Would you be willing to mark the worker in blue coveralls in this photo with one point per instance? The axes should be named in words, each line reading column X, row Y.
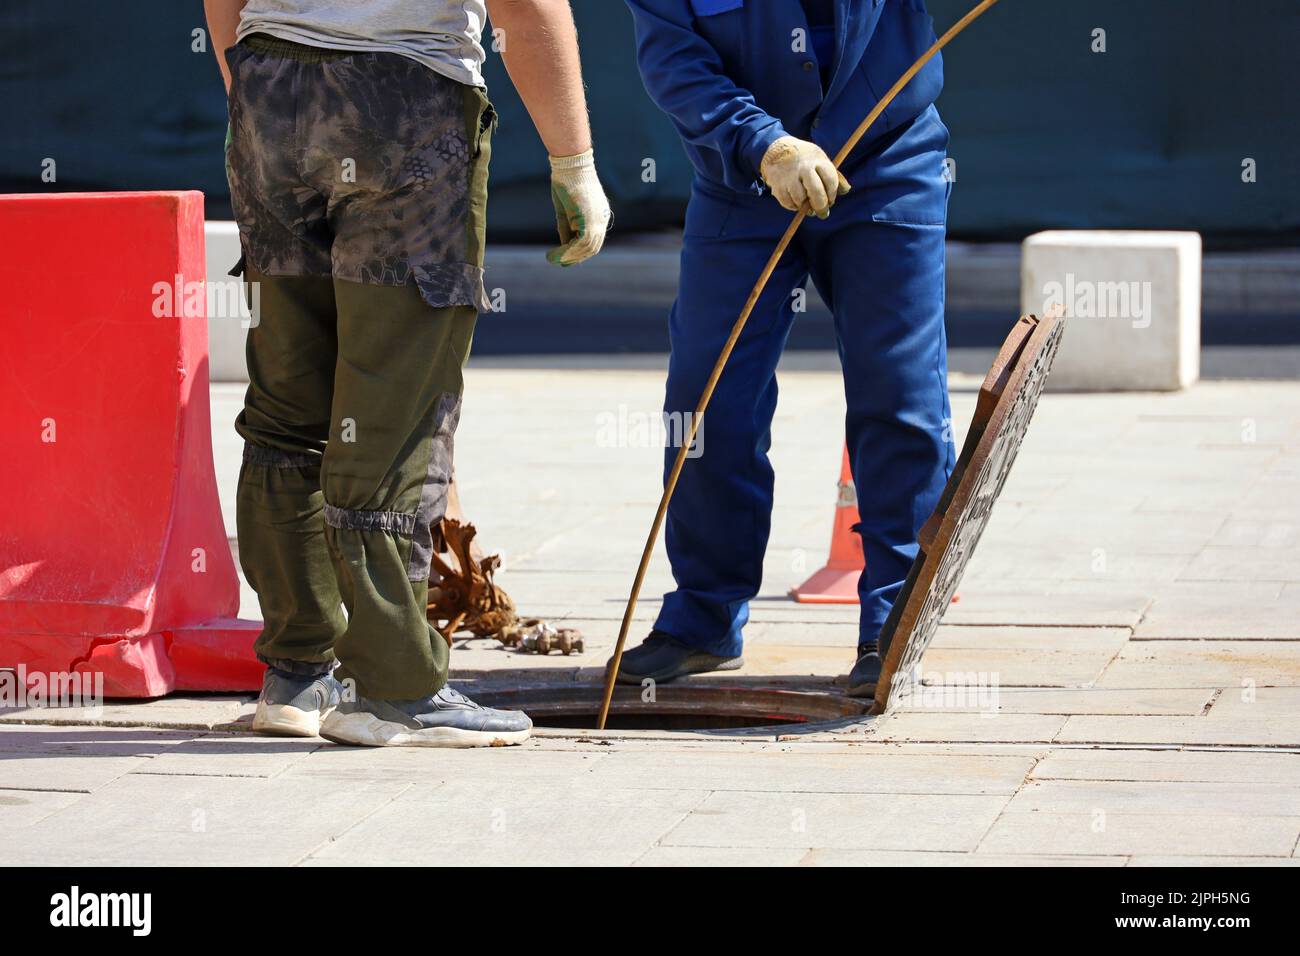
column 762, row 93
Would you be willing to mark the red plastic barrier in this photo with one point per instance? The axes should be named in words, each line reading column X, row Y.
column 113, row 555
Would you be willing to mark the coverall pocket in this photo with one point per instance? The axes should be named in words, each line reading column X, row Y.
column 904, row 32
column 707, row 215
column 912, row 181
column 721, row 23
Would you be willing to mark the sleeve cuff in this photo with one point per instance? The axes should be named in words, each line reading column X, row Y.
column 579, row 161
column 758, row 146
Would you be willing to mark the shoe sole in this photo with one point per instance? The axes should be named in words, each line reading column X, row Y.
column 687, row 669
column 862, row 690
column 285, row 720
column 367, row 730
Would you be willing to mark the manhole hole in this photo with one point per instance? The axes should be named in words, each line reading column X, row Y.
column 680, row 707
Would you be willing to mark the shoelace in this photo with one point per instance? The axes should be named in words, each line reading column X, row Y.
column 455, row 698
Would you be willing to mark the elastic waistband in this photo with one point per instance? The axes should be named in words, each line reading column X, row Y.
column 265, row 43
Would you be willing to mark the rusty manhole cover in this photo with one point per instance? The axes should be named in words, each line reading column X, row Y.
column 685, row 706
column 1006, row 403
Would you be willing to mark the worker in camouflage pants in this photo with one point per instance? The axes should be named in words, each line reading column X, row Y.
column 358, row 167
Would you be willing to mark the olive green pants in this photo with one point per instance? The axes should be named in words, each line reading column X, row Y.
column 359, row 181
column 353, row 400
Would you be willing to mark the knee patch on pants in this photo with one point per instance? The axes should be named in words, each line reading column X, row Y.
column 416, row 525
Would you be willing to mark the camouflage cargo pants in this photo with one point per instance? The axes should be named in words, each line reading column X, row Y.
column 360, row 185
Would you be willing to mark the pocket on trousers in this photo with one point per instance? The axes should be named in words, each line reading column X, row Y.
column 916, row 188
column 487, row 126
column 707, row 215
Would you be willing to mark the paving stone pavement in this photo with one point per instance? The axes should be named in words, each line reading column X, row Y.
column 1119, row 683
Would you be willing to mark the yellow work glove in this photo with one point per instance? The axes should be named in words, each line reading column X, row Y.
column 582, row 212
column 802, row 176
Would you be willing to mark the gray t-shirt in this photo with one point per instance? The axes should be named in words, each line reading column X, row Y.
column 444, row 35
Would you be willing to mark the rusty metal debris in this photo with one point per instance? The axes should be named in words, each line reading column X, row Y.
column 535, row 636
column 1006, row 403
column 465, row 599
column 462, row 593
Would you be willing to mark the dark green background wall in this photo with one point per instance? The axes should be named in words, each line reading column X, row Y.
column 1046, row 133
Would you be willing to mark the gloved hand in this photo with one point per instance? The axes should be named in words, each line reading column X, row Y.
column 582, row 213
column 802, row 176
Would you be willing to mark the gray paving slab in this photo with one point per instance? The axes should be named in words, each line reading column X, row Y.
column 1244, row 564
column 1082, row 532
column 177, row 712
column 534, row 765
column 1102, row 640
column 1183, row 496
column 860, row 821
column 1256, row 703
column 1257, row 611
column 1257, row 533
column 232, row 755
column 72, row 772
column 1206, row 663
column 1199, row 861
column 1173, row 765
column 978, row 727
column 713, row 856
column 1181, row 797
column 1150, row 834
column 872, row 858
column 97, row 741
column 21, row 808
column 1044, row 565
column 1264, row 732
column 1018, row 668
column 981, row 605
column 458, row 824
column 791, row 769
column 1063, row 700
column 172, row 820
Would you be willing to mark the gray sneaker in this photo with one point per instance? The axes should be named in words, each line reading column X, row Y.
column 447, row 719
column 294, row 706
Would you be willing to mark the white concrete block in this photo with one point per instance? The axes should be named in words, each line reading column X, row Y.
column 227, row 318
column 1132, row 301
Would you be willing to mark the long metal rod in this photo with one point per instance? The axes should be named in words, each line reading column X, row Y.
column 611, row 674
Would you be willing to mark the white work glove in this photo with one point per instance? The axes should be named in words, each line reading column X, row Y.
column 582, row 213
column 802, row 176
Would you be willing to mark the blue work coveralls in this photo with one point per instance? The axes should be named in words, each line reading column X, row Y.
column 733, row 76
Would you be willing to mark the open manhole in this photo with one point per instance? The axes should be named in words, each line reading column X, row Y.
column 677, row 707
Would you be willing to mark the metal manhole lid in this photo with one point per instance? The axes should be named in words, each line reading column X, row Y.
column 1006, row 403
column 703, row 699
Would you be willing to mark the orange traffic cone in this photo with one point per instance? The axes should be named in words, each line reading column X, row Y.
column 837, row 583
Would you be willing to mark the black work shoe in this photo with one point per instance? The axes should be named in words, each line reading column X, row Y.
column 866, row 672
column 661, row 657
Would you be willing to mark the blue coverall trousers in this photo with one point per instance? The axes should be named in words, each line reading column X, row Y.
column 878, row 263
